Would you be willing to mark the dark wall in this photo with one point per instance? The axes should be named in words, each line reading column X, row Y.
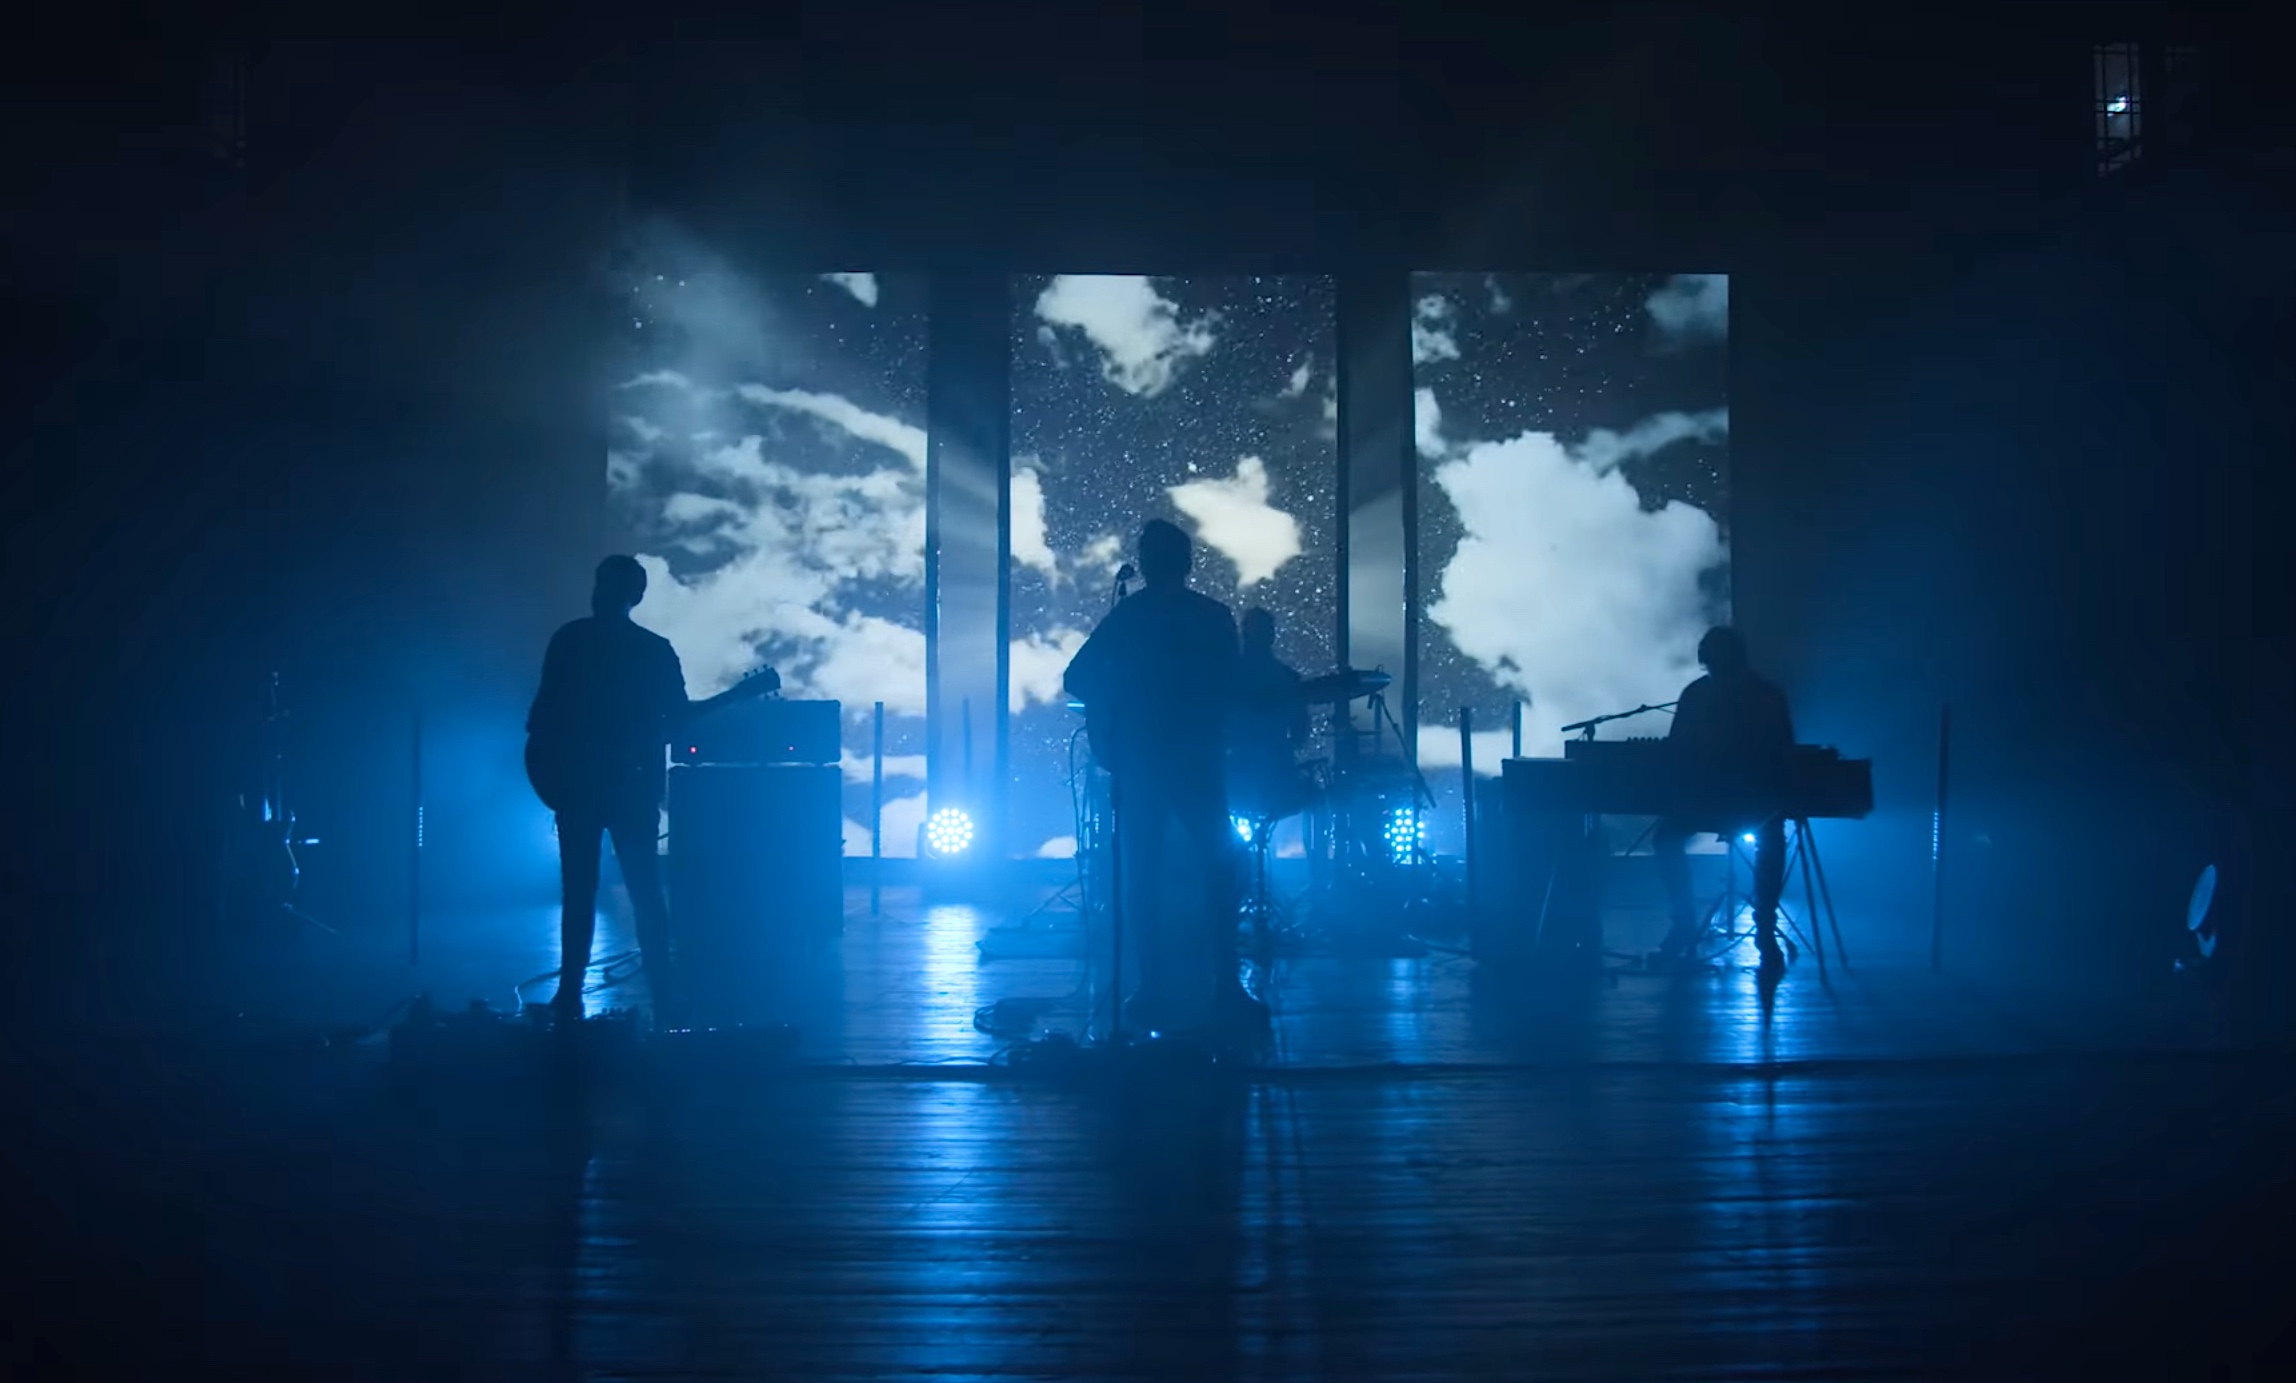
column 336, row 416
column 2024, row 482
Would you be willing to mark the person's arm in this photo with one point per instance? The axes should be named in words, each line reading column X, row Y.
column 1226, row 656
column 543, row 715
column 671, row 690
column 1690, row 715
column 1091, row 670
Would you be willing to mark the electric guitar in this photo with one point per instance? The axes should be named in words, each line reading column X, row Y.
column 558, row 771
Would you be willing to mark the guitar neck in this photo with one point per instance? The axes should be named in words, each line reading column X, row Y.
column 739, row 691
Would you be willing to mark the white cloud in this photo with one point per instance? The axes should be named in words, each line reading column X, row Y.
column 905, row 438
column 1102, row 556
column 1142, row 341
column 1439, row 745
column 1605, row 450
column 691, row 510
column 1029, row 545
column 1564, row 589
column 1427, row 423
column 1233, row 518
column 859, row 768
column 861, row 286
column 789, row 544
column 901, row 818
column 865, row 659
column 666, row 379
column 1057, row 848
column 1501, row 304
column 1431, row 337
column 1297, row 384
column 1038, row 664
column 1692, row 305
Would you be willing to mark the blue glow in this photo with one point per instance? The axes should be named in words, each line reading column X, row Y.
column 1243, row 825
column 1405, row 833
column 948, row 833
column 1748, row 837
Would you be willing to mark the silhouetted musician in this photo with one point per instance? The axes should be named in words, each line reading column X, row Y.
column 1267, row 724
column 594, row 753
column 1734, row 741
column 1155, row 679
column 612, row 693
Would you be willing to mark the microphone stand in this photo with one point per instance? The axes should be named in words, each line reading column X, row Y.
column 1586, row 728
column 1116, row 858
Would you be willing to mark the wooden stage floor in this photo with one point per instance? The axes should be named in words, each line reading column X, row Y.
column 1898, row 1175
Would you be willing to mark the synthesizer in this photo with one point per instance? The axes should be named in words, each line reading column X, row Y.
column 1643, row 777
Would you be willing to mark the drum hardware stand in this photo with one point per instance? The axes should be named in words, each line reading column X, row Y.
column 1269, row 916
column 276, row 817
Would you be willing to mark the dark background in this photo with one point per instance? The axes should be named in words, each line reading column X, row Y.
column 1997, row 426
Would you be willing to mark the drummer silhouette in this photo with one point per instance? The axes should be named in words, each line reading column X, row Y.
column 1267, row 724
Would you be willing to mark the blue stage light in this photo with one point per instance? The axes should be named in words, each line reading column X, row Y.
column 948, row 833
column 1748, row 837
column 1404, row 833
column 1243, row 825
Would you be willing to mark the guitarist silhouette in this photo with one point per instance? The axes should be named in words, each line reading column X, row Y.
column 612, row 694
column 1155, row 678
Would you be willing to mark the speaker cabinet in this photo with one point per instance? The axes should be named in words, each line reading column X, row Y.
column 756, row 863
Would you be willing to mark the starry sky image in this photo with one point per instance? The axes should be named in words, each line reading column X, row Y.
column 766, row 464
column 1206, row 401
column 1573, row 441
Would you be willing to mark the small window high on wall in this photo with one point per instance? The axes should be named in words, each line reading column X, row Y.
column 2120, row 106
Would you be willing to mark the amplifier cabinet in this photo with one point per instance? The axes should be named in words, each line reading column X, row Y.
column 765, row 731
column 756, row 862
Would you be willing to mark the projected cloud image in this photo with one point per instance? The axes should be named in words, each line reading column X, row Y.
column 1573, row 439
column 1205, row 401
column 767, row 465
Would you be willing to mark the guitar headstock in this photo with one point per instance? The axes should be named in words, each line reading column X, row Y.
column 762, row 682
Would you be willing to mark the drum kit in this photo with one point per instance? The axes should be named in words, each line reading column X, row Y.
column 1362, row 808
column 1366, row 812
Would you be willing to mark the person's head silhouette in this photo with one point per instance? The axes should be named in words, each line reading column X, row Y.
column 620, row 585
column 1259, row 631
column 1165, row 554
column 1722, row 652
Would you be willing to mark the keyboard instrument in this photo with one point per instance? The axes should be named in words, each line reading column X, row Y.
column 1645, row 777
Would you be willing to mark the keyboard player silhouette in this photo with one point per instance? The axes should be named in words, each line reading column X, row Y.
column 1733, row 741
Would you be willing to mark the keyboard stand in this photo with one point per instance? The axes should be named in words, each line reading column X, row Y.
column 1817, row 902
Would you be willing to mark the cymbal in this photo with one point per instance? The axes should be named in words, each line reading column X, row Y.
column 1347, row 684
